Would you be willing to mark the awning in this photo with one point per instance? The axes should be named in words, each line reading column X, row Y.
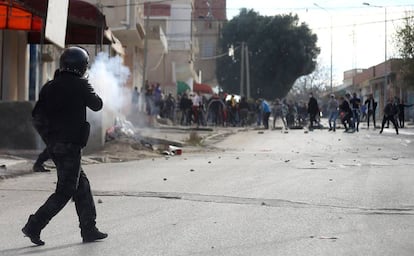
column 202, row 88
column 86, row 23
column 182, row 87
column 15, row 17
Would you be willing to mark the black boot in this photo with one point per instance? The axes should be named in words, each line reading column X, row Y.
column 39, row 168
column 32, row 230
column 92, row 234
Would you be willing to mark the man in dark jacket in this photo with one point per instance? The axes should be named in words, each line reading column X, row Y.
column 61, row 109
column 371, row 106
column 390, row 110
column 401, row 113
column 313, row 110
column 345, row 113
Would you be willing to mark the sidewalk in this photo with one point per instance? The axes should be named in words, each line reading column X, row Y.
column 20, row 162
column 16, row 162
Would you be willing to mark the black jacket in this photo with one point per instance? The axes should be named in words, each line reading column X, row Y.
column 63, row 103
column 345, row 108
column 370, row 102
column 313, row 107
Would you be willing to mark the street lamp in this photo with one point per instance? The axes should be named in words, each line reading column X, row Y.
column 331, row 35
column 385, row 47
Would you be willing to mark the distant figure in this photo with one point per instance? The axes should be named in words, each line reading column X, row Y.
column 244, row 111
column 390, row 111
column 170, row 107
column 345, row 112
column 355, row 105
column 351, row 119
column 277, row 111
column 265, row 107
column 259, row 113
column 401, row 114
column 371, row 105
column 333, row 111
column 302, row 113
column 313, row 110
column 186, row 109
column 135, row 99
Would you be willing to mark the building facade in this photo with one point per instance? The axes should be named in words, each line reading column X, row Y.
column 384, row 81
column 172, row 58
column 29, row 59
column 209, row 16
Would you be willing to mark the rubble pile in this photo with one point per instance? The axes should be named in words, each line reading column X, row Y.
column 123, row 142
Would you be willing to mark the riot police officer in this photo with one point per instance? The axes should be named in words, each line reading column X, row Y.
column 60, row 118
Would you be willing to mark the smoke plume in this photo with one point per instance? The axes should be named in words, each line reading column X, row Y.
column 108, row 75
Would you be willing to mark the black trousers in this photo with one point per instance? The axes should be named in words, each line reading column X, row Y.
column 72, row 183
column 346, row 119
column 371, row 113
column 312, row 119
column 388, row 119
column 401, row 119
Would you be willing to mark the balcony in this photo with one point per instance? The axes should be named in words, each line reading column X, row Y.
column 157, row 39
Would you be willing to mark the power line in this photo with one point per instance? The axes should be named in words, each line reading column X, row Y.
column 318, row 28
column 164, row 2
column 366, row 23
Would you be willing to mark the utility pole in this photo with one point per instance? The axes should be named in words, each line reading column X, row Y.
column 144, row 69
column 331, row 38
column 247, row 72
column 242, row 52
column 385, row 50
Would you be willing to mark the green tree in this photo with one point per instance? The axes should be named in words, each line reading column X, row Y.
column 280, row 51
column 405, row 44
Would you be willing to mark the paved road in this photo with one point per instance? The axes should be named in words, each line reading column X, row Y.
column 269, row 193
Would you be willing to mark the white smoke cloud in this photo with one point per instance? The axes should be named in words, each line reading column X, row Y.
column 108, row 76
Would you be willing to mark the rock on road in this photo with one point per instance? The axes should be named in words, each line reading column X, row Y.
column 270, row 193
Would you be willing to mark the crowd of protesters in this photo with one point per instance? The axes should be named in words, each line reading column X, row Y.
column 192, row 108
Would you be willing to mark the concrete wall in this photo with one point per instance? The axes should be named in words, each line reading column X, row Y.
column 14, row 66
column 16, row 130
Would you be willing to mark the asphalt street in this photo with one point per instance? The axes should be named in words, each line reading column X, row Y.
column 258, row 193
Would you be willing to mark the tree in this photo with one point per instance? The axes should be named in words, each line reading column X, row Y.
column 317, row 82
column 405, row 44
column 280, row 51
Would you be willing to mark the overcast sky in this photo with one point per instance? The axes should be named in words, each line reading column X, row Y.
column 358, row 30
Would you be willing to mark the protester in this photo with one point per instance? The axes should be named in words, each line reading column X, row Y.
column 244, row 109
column 265, row 107
column 401, row 114
column 186, row 109
column 355, row 103
column 345, row 112
column 135, row 99
column 333, row 112
column 390, row 111
column 277, row 112
column 371, row 107
column 313, row 110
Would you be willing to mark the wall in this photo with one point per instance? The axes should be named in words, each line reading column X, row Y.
column 14, row 66
column 16, row 129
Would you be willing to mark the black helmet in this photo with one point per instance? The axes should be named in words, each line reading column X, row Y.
column 74, row 60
